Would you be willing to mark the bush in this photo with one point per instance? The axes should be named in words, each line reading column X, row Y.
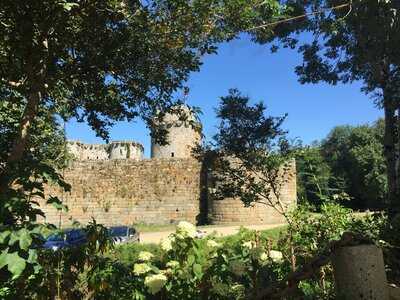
column 184, row 267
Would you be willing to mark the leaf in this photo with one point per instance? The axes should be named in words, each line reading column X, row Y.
column 3, row 258
column 198, row 271
column 16, row 264
column 190, row 260
column 57, row 204
column 4, row 235
column 33, row 256
column 25, row 239
column 14, row 237
column 69, row 5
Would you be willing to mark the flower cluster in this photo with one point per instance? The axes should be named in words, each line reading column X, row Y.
column 249, row 244
column 213, row 244
column 185, row 229
column 155, row 283
column 145, row 256
column 139, row 269
column 166, row 244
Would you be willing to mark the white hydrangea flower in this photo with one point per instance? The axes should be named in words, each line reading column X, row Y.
column 166, row 244
column 172, row 264
column 145, row 256
column 139, row 269
column 249, row 244
column 155, row 283
column 276, row 256
column 213, row 244
column 264, row 257
column 186, row 229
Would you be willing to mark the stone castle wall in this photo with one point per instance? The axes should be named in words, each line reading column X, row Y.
column 153, row 191
column 124, row 192
column 232, row 210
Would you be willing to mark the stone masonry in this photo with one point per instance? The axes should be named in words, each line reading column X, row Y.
column 116, row 186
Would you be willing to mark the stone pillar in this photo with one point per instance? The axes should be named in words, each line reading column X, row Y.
column 360, row 273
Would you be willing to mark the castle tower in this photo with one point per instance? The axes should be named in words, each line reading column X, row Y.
column 182, row 136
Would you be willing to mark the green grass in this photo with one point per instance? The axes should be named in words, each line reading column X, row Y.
column 272, row 234
column 153, row 228
column 159, row 228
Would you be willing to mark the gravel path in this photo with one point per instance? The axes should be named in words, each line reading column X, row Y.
column 155, row 237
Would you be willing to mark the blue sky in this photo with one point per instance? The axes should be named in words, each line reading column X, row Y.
column 312, row 109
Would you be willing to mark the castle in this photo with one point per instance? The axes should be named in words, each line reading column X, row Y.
column 116, row 185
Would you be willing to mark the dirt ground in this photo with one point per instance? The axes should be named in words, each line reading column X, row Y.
column 156, row 237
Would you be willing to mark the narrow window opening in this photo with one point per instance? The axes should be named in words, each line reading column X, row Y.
column 172, row 154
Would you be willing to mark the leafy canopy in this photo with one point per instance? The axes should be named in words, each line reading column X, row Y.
column 105, row 61
column 250, row 154
column 351, row 41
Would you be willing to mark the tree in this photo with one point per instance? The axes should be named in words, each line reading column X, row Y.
column 355, row 156
column 250, row 155
column 352, row 41
column 313, row 176
column 105, row 61
column 100, row 62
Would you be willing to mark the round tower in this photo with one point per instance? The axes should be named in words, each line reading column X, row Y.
column 125, row 150
column 182, row 136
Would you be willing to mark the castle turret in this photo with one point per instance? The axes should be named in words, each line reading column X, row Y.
column 183, row 135
column 126, row 150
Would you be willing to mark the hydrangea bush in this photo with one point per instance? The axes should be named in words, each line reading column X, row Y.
column 193, row 268
column 184, row 266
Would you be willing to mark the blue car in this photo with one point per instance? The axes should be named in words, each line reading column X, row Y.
column 123, row 234
column 66, row 239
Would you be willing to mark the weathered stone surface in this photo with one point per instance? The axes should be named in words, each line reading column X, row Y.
column 153, row 191
column 114, row 150
column 113, row 184
column 127, row 192
column 360, row 273
column 182, row 137
column 394, row 292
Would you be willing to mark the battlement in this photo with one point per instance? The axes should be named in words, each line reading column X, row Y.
column 114, row 150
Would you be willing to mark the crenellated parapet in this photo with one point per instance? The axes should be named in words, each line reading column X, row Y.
column 115, row 150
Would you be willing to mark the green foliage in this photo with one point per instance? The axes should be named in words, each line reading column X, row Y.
column 184, row 267
column 59, row 273
column 107, row 61
column 250, row 155
column 347, row 166
column 313, row 176
column 355, row 155
column 310, row 233
column 358, row 42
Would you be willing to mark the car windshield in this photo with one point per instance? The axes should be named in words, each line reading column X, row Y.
column 75, row 234
column 118, row 231
column 56, row 237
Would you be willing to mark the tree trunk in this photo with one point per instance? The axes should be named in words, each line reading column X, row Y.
column 390, row 151
column 36, row 73
column 20, row 143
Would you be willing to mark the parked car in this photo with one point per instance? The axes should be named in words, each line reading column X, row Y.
column 65, row 239
column 124, row 234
